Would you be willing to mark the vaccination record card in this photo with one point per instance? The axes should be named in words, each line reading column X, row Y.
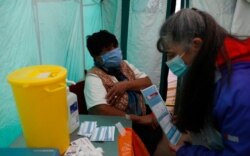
column 158, row 107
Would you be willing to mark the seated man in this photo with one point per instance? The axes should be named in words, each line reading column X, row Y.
column 112, row 87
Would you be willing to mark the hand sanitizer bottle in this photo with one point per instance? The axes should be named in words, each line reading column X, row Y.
column 73, row 113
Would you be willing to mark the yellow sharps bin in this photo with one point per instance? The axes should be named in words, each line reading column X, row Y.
column 40, row 95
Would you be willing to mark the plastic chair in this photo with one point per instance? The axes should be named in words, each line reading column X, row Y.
column 78, row 90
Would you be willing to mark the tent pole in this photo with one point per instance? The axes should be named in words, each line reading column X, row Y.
column 184, row 3
column 164, row 68
column 124, row 27
column 37, row 28
column 82, row 34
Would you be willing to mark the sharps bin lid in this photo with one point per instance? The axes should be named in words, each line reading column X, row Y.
column 37, row 75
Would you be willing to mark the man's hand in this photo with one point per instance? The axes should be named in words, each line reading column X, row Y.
column 144, row 120
column 117, row 91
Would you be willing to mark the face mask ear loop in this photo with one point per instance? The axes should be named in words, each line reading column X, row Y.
column 182, row 55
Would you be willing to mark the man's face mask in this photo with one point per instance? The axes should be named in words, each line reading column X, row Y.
column 110, row 60
column 177, row 66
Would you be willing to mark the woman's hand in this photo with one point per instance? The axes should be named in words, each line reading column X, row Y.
column 185, row 138
column 116, row 92
column 144, row 120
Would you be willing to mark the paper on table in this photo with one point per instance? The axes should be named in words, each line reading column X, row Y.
column 87, row 128
column 83, row 147
column 103, row 133
column 120, row 128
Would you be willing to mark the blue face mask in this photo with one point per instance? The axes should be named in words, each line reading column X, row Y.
column 177, row 66
column 110, row 60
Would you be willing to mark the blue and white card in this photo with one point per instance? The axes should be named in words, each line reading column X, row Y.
column 158, row 107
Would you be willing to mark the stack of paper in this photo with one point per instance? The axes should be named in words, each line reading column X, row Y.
column 104, row 133
column 83, row 147
column 87, row 128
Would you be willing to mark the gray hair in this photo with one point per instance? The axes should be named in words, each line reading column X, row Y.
column 194, row 102
column 181, row 28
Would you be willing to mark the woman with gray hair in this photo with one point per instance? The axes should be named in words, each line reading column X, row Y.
column 215, row 71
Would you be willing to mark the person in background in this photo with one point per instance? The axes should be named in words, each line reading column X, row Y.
column 112, row 87
column 215, row 92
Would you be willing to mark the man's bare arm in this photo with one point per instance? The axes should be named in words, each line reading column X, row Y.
column 104, row 109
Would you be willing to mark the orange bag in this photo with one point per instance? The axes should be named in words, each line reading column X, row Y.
column 131, row 144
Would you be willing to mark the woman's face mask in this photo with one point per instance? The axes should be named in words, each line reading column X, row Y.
column 111, row 59
column 177, row 66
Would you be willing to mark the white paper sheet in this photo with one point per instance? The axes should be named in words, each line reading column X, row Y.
column 157, row 105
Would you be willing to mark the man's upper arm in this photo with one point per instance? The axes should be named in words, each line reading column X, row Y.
column 94, row 91
column 137, row 72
